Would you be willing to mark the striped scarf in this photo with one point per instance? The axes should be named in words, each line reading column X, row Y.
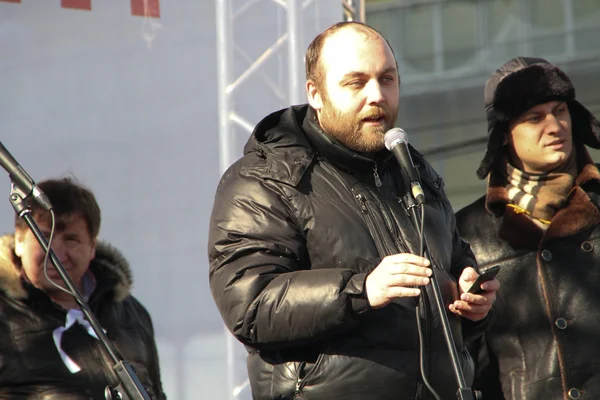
column 540, row 195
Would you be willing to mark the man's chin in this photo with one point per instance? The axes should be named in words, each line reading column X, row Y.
column 372, row 146
column 374, row 139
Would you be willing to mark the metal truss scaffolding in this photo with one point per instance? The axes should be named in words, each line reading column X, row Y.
column 354, row 10
column 260, row 52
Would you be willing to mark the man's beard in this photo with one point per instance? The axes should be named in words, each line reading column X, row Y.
column 351, row 130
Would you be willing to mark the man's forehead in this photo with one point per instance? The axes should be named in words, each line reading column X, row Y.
column 344, row 51
column 348, row 38
column 544, row 106
column 62, row 222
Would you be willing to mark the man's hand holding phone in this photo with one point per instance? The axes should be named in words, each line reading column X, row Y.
column 486, row 275
column 477, row 293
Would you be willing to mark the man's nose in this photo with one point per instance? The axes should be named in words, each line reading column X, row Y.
column 553, row 124
column 374, row 93
column 59, row 248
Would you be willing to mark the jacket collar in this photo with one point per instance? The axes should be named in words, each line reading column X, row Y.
column 111, row 270
column 280, row 141
column 288, row 140
column 337, row 153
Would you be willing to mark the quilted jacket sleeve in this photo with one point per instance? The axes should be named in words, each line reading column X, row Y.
column 260, row 272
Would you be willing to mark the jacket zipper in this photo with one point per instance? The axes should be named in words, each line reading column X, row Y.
column 376, row 176
column 392, row 226
column 298, row 388
column 375, row 228
column 379, row 242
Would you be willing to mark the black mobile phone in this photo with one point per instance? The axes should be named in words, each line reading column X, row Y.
column 486, row 275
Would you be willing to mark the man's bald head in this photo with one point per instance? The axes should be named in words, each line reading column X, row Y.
column 314, row 67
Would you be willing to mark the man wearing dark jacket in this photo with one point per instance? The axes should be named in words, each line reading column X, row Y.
column 540, row 221
column 47, row 349
column 311, row 249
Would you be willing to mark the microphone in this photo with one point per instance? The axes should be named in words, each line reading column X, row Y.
column 21, row 179
column 397, row 142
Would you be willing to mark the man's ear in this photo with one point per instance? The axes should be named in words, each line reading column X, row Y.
column 93, row 250
column 314, row 97
column 19, row 242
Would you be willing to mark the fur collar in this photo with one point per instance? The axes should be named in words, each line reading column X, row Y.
column 579, row 214
column 109, row 265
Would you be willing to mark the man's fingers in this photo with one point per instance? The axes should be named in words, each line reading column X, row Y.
column 409, row 269
column 407, row 258
column 396, row 292
column 396, row 276
column 493, row 285
column 479, row 299
column 469, row 315
column 470, row 307
column 407, row 280
column 469, row 274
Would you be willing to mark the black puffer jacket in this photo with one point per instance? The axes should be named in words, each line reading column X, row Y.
column 544, row 342
column 30, row 364
column 297, row 225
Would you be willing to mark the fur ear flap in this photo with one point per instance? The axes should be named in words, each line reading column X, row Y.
column 496, row 134
column 585, row 127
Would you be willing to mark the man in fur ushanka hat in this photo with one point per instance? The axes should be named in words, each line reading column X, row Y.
column 540, row 221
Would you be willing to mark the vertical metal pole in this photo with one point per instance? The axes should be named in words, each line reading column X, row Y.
column 361, row 11
column 225, row 141
column 354, row 10
column 293, row 52
column 224, row 73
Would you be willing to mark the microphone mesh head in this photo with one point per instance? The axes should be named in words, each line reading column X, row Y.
column 393, row 136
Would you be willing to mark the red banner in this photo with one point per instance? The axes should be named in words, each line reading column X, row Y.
column 141, row 8
column 145, row 8
column 77, row 4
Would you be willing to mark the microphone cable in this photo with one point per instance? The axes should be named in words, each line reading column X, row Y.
column 421, row 230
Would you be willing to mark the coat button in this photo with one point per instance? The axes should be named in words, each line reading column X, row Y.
column 547, row 255
column 587, row 246
column 561, row 323
column 574, row 393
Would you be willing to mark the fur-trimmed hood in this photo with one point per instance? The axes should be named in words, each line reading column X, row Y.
column 109, row 265
column 520, row 84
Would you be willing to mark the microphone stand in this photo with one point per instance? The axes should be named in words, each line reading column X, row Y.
column 463, row 392
column 129, row 387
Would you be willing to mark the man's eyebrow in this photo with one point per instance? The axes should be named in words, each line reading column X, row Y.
column 388, row 70
column 353, row 74
column 559, row 105
column 358, row 74
column 538, row 111
column 531, row 112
